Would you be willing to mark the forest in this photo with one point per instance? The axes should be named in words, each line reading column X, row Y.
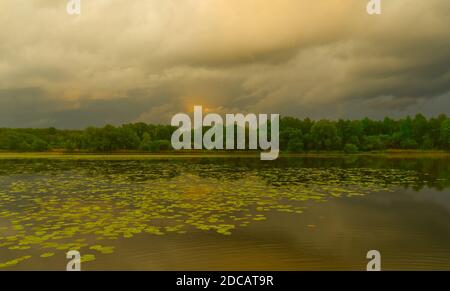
column 296, row 135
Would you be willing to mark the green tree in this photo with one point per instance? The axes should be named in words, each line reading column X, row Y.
column 350, row 131
column 24, row 146
column 160, row 145
column 38, row 145
column 324, row 135
column 295, row 143
column 373, row 143
column 128, row 138
column 146, row 143
column 445, row 134
column 350, row 148
column 295, row 135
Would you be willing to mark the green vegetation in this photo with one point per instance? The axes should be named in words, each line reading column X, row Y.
column 295, row 136
column 52, row 206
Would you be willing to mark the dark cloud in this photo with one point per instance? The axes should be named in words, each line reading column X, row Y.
column 125, row 61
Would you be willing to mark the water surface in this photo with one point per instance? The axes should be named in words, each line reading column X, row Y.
column 296, row 213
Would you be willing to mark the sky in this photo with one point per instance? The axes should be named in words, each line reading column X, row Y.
column 123, row 61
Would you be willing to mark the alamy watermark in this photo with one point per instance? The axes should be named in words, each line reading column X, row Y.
column 74, row 7
column 74, row 263
column 373, row 256
column 213, row 138
column 375, row 260
column 374, row 7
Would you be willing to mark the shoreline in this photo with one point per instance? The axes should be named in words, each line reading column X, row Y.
column 221, row 154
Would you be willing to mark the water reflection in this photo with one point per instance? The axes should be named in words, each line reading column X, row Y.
column 51, row 206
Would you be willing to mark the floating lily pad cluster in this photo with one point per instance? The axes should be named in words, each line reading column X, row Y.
column 62, row 207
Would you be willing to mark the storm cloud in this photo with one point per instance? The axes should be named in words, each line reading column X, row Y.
column 127, row 61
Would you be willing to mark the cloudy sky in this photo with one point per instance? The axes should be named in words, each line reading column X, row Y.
column 129, row 60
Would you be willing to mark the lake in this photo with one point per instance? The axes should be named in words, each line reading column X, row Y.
column 224, row 213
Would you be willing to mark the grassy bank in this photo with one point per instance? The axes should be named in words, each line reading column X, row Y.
column 217, row 154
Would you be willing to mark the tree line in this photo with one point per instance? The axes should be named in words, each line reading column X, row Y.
column 296, row 135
